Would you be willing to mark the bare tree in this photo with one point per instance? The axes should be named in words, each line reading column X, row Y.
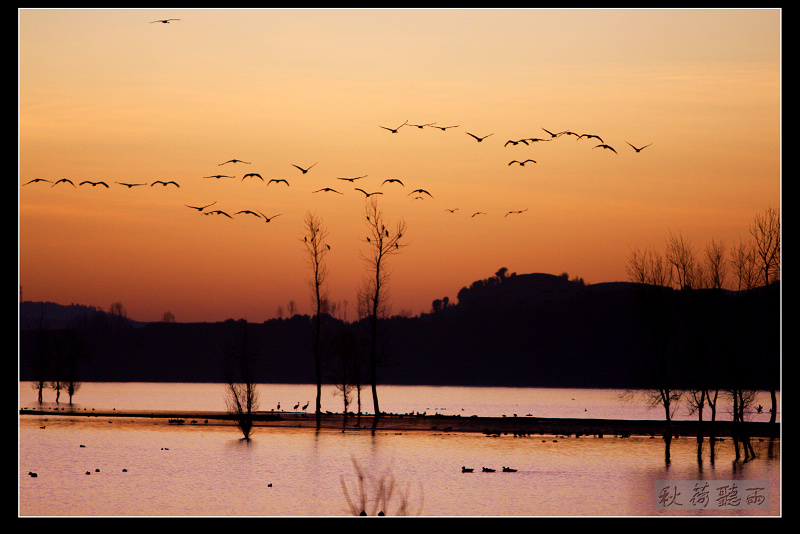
column 715, row 267
column 316, row 250
column 242, row 396
column 680, row 255
column 119, row 315
column 766, row 231
column 742, row 261
column 373, row 293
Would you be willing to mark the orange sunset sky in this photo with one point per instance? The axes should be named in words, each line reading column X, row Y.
column 108, row 95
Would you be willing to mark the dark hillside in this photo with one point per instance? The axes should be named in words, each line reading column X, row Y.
column 518, row 330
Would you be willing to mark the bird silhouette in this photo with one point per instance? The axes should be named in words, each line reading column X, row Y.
column 93, row 184
column 351, row 180
column 37, row 180
column 306, row 406
column 200, row 208
column 277, row 181
column 536, row 139
column 567, row 132
column 218, row 176
column 553, row 135
column 268, row 219
column 515, row 143
column 393, row 180
column 517, row 211
column 254, row 175
column 606, row 147
column 420, row 191
column 129, row 185
column 302, row 169
column 478, row 213
column 234, row 161
column 488, row 470
column 589, row 136
column 218, row 212
column 248, row 211
column 296, row 406
column 394, row 130
column 421, row 126
column 466, row 469
column 368, row 194
column 479, row 139
column 639, row 149
column 328, row 189
column 164, row 21
column 522, row 163
column 443, row 128
column 63, row 180
column 451, row 210
column 509, row 470
column 165, row 184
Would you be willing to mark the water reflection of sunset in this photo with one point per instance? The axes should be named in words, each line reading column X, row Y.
column 106, row 95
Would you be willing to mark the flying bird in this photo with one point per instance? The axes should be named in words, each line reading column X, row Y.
column 253, row 174
column 522, row 163
column 164, row 21
column 391, row 180
column 129, row 185
column 218, row 176
column 639, row 149
column 478, row 213
column 302, row 169
column 589, row 136
column 443, row 128
column 351, row 180
column 268, row 219
column 277, row 181
column 515, row 143
column 37, row 180
column 93, row 184
column 517, row 211
column 328, row 189
column 479, row 139
column 567, row 132
column 421, row 126
column 536, row 139
column 420, row 191
column 248, row 211
column 451, row 210
column 551, row 133
column 165, row 184
column 606, row 147
column 368, row 194
column 63, row 180
column 200, row 208
column 234, row 161
column 218, row 212
column 394, row 130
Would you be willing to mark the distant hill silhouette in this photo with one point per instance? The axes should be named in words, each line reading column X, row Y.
column 527, row 330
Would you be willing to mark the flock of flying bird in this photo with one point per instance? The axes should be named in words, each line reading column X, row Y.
column 304, row 170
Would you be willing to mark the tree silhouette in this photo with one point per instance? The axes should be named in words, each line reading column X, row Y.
column 316, row 250
column 240, row 378
column 373, row 293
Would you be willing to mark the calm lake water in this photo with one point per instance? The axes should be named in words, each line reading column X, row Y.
column 138, row 468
